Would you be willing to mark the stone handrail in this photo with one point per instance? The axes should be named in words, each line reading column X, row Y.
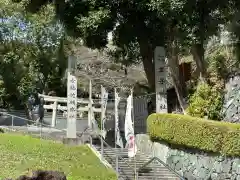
column 118, row 156
column 164, row 164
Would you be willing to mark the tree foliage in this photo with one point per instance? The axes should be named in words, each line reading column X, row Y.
column 138, row 26
column 32, row 55
column 142, row 24
column 206, row 101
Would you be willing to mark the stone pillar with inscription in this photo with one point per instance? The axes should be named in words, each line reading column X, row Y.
column 71, row 106
column 160, row 79
column 161, row 89
column 71, row 138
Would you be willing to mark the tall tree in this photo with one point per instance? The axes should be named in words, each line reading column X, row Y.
column 31, row 52
column 130, row 22
column 145, row 25
column 189, row 25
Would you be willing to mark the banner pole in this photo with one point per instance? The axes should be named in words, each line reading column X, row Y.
column 102, row 116
column 116, row 124
column 90, row 111
column 134, row 146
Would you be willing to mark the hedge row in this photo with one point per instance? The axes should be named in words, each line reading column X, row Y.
column 196, row 133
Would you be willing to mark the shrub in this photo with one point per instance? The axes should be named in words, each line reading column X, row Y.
column 184, row 130
column 205, row 101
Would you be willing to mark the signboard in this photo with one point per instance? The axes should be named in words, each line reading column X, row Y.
column 71, row 106
column 160, row 80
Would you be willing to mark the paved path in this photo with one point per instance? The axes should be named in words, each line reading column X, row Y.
column 61, row 123
column 45, row 133
column 20, row 124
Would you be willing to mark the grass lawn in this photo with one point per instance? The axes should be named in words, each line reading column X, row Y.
column 19, row 153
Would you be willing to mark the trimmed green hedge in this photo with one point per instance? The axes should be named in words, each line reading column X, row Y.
column 184, row 130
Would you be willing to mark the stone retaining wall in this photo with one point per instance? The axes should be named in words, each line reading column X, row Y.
column 193, row 165
column 231, row 106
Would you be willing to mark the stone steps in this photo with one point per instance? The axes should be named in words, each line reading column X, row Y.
column 126, row 167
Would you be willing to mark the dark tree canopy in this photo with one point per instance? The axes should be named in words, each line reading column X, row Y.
column 141, row 25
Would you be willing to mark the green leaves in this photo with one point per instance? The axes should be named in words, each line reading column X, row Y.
column 191, row 132
column 32, row 54
column 166, row 7
column 206, row 101
column 139, row 23
column 95, row 27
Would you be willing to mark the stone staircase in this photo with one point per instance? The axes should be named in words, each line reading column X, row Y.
column 153, row 170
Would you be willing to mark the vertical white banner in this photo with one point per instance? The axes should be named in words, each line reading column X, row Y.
column 104, row 99
column 129, row 129
column 160, row 80
column 71, row 106
column 118, row 138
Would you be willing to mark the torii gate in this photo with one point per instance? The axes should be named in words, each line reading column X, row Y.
column 71, row 100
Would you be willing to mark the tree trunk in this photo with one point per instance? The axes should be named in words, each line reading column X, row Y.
column 198, row 56
column 173, row 63
column 148, row 64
